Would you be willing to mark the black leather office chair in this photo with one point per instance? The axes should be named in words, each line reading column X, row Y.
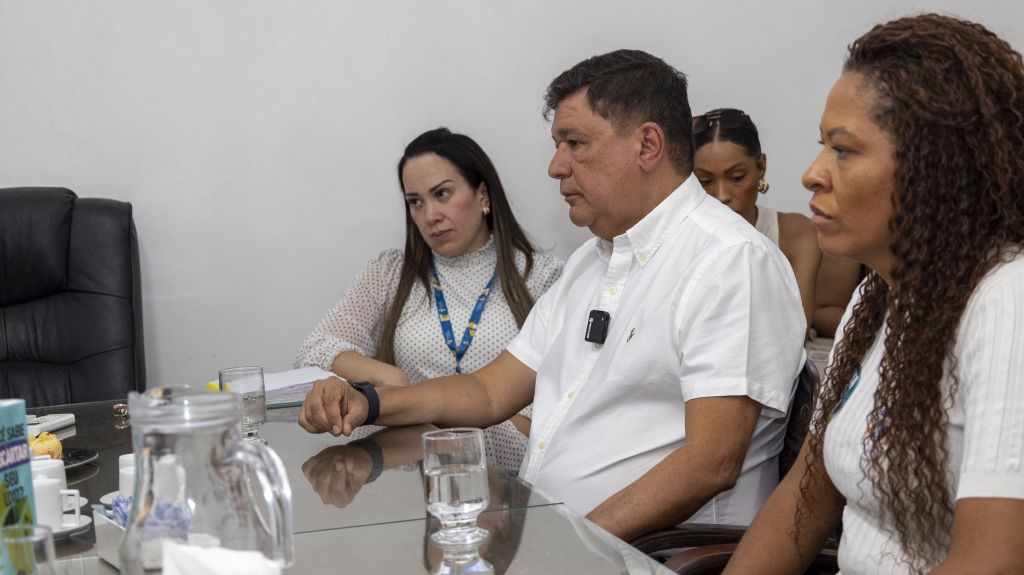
column 712, row 545
column 70, row 305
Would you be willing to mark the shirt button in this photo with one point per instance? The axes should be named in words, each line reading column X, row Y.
column 613, row 290
column 571, row 394
column 540, row 445
column 643, row 257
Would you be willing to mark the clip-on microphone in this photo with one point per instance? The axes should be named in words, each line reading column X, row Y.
column 597, row 326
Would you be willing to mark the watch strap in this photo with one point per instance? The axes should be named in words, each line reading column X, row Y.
column 376, row 458
column 372, row 400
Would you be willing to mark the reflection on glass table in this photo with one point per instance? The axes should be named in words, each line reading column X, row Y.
column 520, row 542
column 372, row 480
column 349, row 524
column 462, row 559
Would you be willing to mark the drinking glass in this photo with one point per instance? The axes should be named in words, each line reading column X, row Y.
column 456, row 471
column 29, row 549
column 247, row 382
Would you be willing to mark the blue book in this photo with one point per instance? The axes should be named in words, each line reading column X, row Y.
column 17, row 505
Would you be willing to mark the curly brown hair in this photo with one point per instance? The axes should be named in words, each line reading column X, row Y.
column 950, row 95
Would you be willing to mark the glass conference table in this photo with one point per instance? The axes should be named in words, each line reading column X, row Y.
column 346, row 521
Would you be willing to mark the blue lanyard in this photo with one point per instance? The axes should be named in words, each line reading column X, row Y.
column 446, row 324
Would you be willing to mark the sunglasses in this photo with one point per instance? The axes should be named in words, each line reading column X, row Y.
column 730, row 118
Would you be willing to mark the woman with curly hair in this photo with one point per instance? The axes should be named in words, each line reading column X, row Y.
column 917, row 439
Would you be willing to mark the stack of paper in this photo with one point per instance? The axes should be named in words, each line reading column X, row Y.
column 289, row 388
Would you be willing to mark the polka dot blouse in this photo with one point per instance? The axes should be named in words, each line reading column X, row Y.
column 356, row 323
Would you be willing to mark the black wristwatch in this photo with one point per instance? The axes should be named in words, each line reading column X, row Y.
column 373, row 407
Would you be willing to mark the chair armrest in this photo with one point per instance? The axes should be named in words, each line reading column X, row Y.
column 688, row 535
column 707, row 560
column 712, row 559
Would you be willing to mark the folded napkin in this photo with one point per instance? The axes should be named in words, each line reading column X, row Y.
column 182, row 559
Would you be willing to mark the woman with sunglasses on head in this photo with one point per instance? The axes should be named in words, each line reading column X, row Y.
column 454, row 298
column 730, row 165
column 917, row 440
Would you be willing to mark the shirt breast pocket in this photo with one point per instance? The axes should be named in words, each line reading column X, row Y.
column 642, row 355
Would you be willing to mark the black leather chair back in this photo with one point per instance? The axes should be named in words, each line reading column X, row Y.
column 70, row 305
column 799, row 416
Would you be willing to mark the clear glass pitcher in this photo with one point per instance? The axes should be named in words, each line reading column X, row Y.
column 198, row 482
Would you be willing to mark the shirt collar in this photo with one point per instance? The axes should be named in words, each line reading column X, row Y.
column 647, row 235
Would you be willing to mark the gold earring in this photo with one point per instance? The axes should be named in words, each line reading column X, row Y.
column 487, row 211
column 762, row 186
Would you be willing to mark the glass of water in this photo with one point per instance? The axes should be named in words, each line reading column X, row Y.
column 456, row 471
column 247, row 382
column 29, row 549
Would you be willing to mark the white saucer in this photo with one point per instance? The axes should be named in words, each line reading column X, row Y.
column 69, row 506
column 68, row 528
column 108, row 499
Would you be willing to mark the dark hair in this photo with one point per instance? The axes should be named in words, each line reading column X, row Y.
column 475, row 167
column 742, row 132
column 627, row 88
column 950, row 95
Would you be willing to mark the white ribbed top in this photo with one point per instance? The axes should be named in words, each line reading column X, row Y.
column 985, row 430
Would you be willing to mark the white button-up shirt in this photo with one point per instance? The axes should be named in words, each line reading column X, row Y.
column 701, row 305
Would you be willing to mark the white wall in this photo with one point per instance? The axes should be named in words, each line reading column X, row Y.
column 257, row 140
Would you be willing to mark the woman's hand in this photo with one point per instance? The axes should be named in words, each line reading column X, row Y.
column 521, row 423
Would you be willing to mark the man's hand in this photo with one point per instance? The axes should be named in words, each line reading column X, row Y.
column 338, row 472
column 483, row 398
column 333, row 406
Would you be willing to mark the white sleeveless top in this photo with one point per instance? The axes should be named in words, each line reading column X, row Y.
column 768, row 223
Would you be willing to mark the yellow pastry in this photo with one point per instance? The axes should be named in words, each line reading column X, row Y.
column 46, row 443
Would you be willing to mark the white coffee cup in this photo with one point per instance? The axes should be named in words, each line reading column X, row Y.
column 50, row 468
column 126, row 481
column 50, row 503
column 126, row 460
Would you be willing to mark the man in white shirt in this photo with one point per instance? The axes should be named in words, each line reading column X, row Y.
column 662, row 363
